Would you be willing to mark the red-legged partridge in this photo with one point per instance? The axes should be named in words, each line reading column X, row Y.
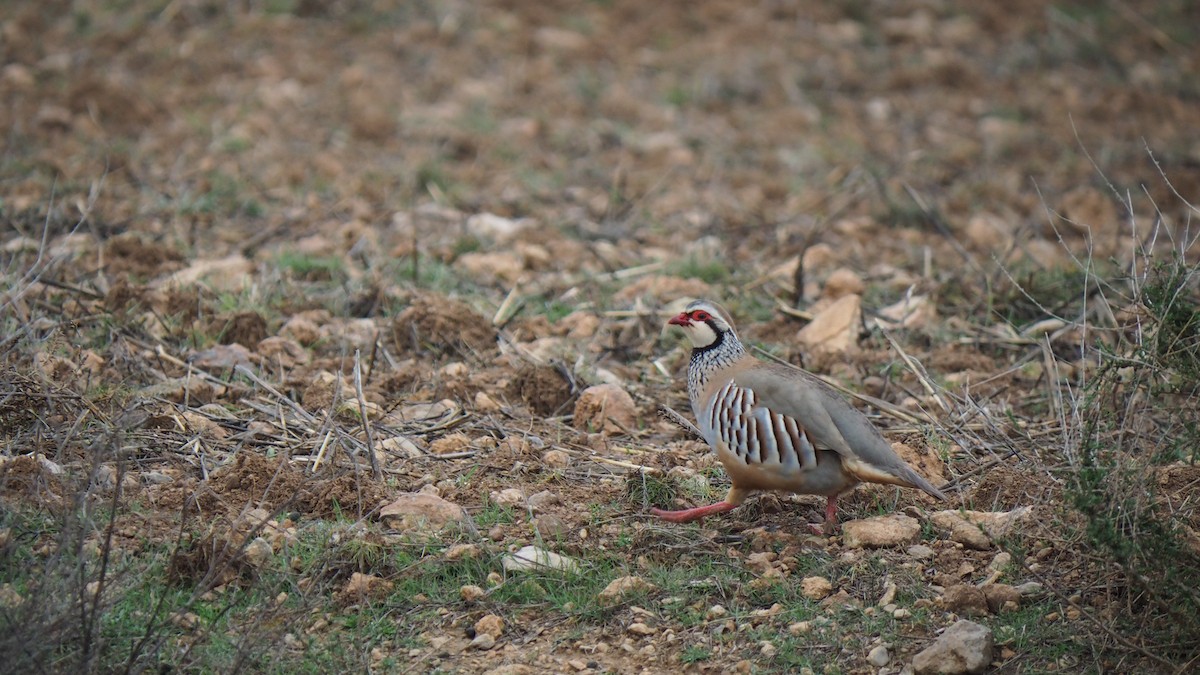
column 776, row 427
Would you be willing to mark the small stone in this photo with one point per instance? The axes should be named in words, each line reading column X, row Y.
column 471, row 593
column 485, row 403
column 185, row 620
column 258, row 553
column 842, row 281
column 881, row 531
column 800, row 628
column 921, row 551
column 483, row 642
column 767, row 649
column 1030, row 589
column 532, row 557
column 414, row 511
column 1073, row 614
column 901, row 613
column 878, row 656
column 638, row 628
column 362, row 587
column 889, row 594
column 965, row 647
column 490, row 624
column 508, row 497
column 977, row 529
column 964, row 599
column 451, row 444
column 10, row 598
column 556, row 458
column 1002, row 560
column 1001, row 596
column 541, row 501
column 462, row 551
column 816, row 588
column 715, row 612
column 622, row 587
column 607, row 409
column 834, row 331
column 551, row 527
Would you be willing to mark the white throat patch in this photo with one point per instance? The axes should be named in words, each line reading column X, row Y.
column 701, row 334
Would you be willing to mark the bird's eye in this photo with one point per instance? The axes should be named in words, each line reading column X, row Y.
column 700, row 315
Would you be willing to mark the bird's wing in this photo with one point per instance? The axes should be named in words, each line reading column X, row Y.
column 832, row 423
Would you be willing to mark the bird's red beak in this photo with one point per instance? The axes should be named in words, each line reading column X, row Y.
column 682, row 320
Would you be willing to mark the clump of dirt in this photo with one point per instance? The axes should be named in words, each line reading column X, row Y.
column 122, row 295
column 955, row 359
column 346, row 494
column 542, row 388
column 254, row 479
column 25, row 475
column 442, row 325
column 1004, row 487
column 243, row 328
column 128, row 254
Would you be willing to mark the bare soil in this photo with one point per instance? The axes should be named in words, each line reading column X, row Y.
column 310, row 180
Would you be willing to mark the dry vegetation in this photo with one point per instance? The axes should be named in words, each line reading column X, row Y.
column 245, row 243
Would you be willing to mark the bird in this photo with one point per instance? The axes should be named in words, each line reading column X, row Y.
column 777, row 427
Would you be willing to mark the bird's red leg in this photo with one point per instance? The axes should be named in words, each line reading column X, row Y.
column 830, row 523
column 688, row 515
column 831, row 515
column 732, row 500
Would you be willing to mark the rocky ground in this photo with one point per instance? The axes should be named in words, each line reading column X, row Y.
column 333, row 332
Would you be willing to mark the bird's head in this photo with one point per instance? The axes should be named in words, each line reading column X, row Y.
column 705, row 323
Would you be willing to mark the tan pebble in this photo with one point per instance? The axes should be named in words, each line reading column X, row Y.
column 1052, row 616
column 556, row 458
column 815, row 588
column 471, row 593
column 800, row 627
column 483, row 641
column 639, row 628
column 491, row 625
column 485, row 403
column 842, row 281
column 1073, row 613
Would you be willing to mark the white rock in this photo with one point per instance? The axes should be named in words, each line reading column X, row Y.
column 878, row 656
column 532, row 557
column 498, row 228
column 965, row 647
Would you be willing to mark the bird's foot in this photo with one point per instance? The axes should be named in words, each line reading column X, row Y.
column 688, row 515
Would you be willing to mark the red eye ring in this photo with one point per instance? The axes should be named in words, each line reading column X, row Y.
column 700, row 315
